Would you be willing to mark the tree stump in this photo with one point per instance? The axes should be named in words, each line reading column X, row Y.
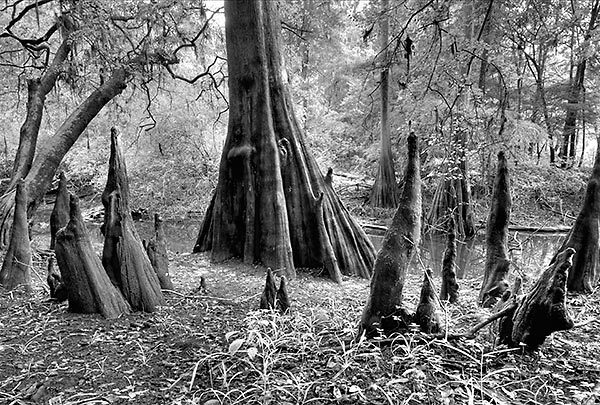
column 156, row 248
column 449, row 290
column 543, row 310
column 384, row 312
column 426, row 315
column 16, row 269
column 89, row 290
column 583, row 237
column 60, row 214
column 124, row 256
column 496, row 260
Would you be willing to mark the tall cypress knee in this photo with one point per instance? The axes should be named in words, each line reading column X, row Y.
column 123, row 256
column 384, row 312
column 496, row 239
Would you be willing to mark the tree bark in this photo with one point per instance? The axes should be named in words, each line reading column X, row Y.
column 123, row 256
column 273, row 298
column 60, row 214
column 496, row 260
column 16, row 268
column 51, row 153
column 37, row 90
column 88, row 287
column 543, row 310
column 384, row 312
column 265, row 208
column 157, row 253
column 384, row 193
column 584, row 237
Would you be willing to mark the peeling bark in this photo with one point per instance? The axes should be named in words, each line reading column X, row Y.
column 16, row 268
column 88, row 287
column 384, row 312
column 496, row 260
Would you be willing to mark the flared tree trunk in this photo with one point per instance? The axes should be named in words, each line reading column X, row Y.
column 543, row 310
column 60, row 213
column 157, row 253
column 16, row 268
column 384, row 312
column 87, row 285
column 50, row 154
column 123, row 255
column 584, row 237
column 385, row 191
column 449, row 289
column 266, row 207
column 496, row 238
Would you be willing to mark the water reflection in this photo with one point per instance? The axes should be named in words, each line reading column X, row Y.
column 529, row 252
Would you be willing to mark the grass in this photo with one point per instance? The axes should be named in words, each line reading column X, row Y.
column 214, row 347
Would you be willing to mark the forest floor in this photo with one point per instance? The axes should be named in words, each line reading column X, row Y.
column 212, row 346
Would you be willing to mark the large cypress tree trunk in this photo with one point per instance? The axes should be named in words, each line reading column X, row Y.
column 496, row 239
column 50, row 154
column 385, row 192
column 88, row 287
column 16, row 268
column 123, row 255
column 584, row 237
column 384, row 311
column 266, row 205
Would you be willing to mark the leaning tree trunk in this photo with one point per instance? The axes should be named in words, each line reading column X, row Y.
column 60, row 213
column 385, row 191
column 157, row 253
column 584, row 237
column 123, row 256
column 89, row 290
column 16, row 269
column 267, row 205
column 543, row 310
column 496, row 238
column 51, row 153
column 384, row 312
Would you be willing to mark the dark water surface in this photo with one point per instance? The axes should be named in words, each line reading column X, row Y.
column 529, row 252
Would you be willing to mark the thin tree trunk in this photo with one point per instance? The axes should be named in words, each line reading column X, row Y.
column 60, row 214
column 157, row 253
column 384, row 312
column 51, row 153
column 385, row 191
column 265, row 209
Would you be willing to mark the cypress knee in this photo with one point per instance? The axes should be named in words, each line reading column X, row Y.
column 496, row 260
column 123, row 255
column 384, row 312
column 60, row 214
column 88, row 287
column 426, row 315
column 449, row 290
column 157, row 253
